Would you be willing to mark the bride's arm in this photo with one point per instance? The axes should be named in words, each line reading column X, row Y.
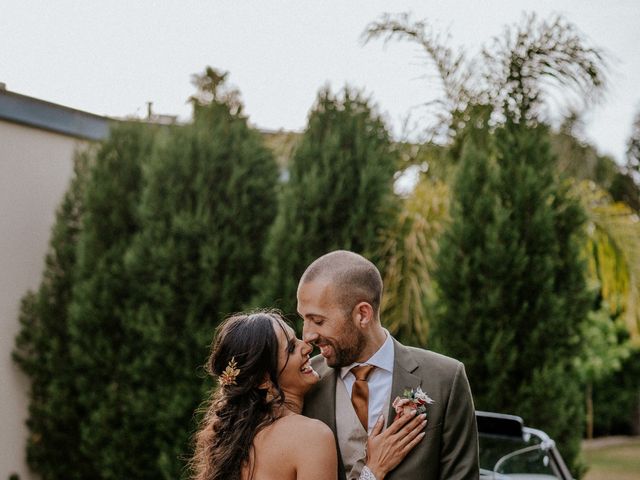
column 386, row 449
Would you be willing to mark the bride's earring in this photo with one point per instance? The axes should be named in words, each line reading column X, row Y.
column 268, row 386
column 270, row 395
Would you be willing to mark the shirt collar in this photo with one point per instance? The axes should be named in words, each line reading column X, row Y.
column 383, row 358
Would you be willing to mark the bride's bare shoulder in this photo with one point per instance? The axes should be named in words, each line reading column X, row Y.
column 303, row 423
column 311, row 447
column 298, row 426
column 296, row 447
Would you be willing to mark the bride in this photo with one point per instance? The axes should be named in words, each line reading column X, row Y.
column 253, row 429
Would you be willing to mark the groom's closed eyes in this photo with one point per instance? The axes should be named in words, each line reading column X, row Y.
column 316, row 319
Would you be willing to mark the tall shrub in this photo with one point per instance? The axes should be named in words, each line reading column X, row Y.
column 101, row 287
column 512, row 289
column 208, row 201
column 339, row 192
column 512, row 292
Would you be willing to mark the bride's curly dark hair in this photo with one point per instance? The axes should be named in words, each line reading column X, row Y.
column 236, row 413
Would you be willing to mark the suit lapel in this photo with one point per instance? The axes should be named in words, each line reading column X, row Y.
column 326, row 400
column 403, row 367
column 327, row 397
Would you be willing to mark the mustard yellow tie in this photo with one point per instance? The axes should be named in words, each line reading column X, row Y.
column 360, row 393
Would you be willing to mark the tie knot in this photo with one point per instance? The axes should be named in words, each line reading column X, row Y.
column 362, row 372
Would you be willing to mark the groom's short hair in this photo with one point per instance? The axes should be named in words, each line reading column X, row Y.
column 354, row 278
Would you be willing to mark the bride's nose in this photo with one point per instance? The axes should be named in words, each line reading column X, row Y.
column 306, row 348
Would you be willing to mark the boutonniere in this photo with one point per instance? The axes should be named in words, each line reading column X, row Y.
column 412, row 399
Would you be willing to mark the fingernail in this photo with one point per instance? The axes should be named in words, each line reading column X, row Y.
column 413, row 412
column 422, row 434
column 424, row 423
column 424, row 415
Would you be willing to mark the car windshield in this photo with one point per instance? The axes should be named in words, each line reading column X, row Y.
column 504, row 458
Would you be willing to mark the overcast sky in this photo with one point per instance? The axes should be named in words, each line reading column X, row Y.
column 112, row 56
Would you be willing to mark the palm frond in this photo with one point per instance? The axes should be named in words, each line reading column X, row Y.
column 408, row 250
column 613, row 253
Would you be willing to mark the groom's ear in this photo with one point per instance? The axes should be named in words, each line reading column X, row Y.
column 363, row 313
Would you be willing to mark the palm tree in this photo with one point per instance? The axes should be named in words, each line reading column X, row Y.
column 613, row 253
column 408, row 249
column 516, row 73
column 513, row 75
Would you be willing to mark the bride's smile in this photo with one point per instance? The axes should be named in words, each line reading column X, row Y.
column 297, row 375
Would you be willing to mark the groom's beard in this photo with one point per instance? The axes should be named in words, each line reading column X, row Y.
column 347, row 347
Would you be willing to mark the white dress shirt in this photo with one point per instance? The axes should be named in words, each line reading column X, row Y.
column 379, row 380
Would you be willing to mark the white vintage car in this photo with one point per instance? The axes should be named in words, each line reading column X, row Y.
column 511, row 451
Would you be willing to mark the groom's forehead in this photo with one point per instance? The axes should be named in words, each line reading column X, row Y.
column 320, row 300
column 317, row 292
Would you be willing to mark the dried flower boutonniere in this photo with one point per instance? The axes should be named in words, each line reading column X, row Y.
column 412, row 400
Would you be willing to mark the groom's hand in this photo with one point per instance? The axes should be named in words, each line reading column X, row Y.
column 386, row 449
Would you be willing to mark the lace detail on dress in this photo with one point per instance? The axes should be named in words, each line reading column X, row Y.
column 367, row 474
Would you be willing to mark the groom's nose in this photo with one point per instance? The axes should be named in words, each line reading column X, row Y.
column 308, row 335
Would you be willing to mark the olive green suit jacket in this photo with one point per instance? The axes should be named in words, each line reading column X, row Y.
column 449, row 450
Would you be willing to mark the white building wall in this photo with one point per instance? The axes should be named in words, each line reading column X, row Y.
column 35, row 169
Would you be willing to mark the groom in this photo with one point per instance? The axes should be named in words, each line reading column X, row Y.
column 339, row 301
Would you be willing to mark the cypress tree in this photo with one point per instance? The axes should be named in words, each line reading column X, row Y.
column 43, row 347
column 208, row 199
column 338, row 196
column 511, row 280
column 100, row 288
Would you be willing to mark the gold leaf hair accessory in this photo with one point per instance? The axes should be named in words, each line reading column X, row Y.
column 230, row 373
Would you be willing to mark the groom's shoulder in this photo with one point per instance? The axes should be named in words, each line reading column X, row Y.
column 435, row 362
